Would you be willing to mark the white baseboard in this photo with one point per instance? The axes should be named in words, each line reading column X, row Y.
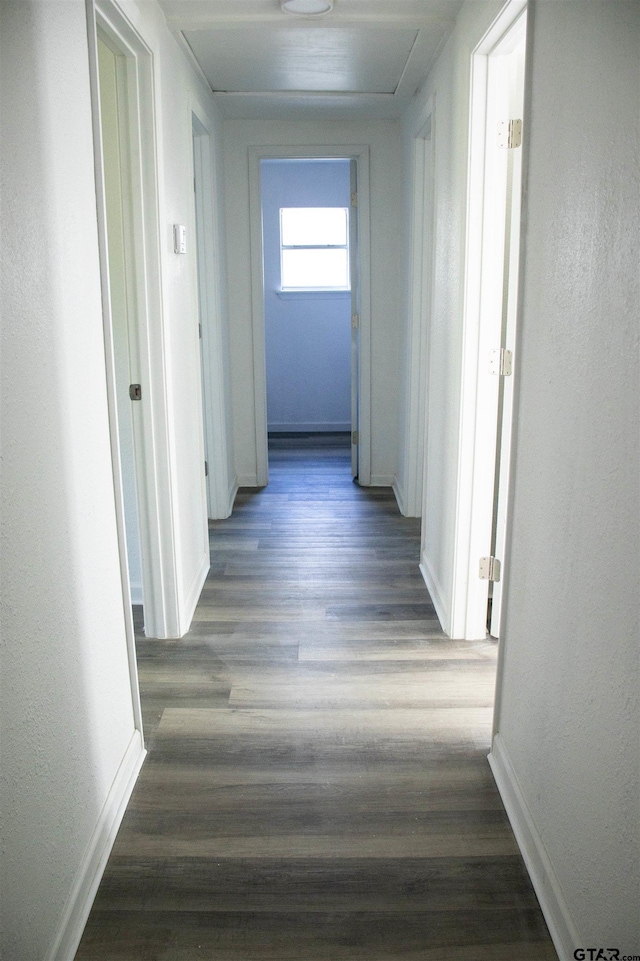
column 231, row 497
column 89, row 875
column 136, row 593
column 193, row 595
column 437, row 594
column 543, row 877
column 398, row 495
column 326, row 427
column 381, row 480
column 247, row 480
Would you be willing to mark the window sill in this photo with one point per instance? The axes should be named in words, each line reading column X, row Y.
column 311, row 294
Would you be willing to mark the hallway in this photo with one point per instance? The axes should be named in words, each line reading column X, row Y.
column 317, row 787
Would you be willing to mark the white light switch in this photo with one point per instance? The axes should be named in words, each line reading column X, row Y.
column 179, row 239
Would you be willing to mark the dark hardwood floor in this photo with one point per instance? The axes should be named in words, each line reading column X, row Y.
column 317, row 787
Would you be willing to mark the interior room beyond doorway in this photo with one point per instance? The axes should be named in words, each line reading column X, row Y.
column 307, row 322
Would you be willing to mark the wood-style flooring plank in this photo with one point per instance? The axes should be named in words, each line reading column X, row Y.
column 317, row 786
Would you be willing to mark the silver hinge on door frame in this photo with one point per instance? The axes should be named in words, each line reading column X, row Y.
column 501, row 362
column 355, row 436
column 509, row 134
column 354, row 198
column 489, row 569
column 355, row 321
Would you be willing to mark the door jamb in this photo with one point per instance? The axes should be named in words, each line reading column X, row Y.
column 220, row 494
column 361, row 155
column 476, row 467
column 420, row 307
column 153, row 459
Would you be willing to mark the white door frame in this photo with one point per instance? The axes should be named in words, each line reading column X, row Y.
column 361, row 155
column 219, row 494
column 484, row 262
column 420, row 306
column 150, row 415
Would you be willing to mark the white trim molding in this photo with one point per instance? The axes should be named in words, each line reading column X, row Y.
column 154, row 468
column 420, row 293
column 437, row 594
column 213, row 347
column 538, row 863
column 91, row 869
column 194, row 592
column 482, row 315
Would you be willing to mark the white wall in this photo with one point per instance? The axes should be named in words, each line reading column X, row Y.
column 70, row 751
column 67, row 718
column 568, row 745
column 308, row 334
column 447, row 88
column 384, row 142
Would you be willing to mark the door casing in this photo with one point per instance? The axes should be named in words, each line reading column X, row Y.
column 360, row 154
column 482, row 328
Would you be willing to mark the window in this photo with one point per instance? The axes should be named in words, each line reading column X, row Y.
column 314, row 248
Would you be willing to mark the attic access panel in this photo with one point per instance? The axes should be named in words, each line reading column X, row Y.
column 269, row 58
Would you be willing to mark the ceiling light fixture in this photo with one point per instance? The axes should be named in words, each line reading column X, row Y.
column 307, row 8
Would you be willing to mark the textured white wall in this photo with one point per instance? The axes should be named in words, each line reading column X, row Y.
column 66, row 703
column 448, row 85
column 386, row 284
column 67, row 717
column 568, row 711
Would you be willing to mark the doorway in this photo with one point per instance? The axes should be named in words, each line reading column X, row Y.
column 126, row 368
column 122, row 86
column 306, row 214
column 213, row 349
column 356, row 299
column 490, row 315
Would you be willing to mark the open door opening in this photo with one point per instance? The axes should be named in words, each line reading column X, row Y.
column 507, row 80
column 354, row 420
column 310, row 288
column 491, row 302
column 119, row 236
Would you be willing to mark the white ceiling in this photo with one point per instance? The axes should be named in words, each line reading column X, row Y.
column 364, row 59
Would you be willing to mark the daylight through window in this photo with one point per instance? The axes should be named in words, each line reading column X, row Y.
column 314, row 248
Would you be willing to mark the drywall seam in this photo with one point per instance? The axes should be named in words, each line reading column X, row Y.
column 91, row 869
column 543, row 877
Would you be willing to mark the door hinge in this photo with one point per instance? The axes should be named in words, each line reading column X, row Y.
column 354, row 198
column 355, row 436
column 135, row 391
column 501, row 362
column 206, row 469
column 489, row 569
column 355, row 321
column 509, row 134
column 200, row 331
